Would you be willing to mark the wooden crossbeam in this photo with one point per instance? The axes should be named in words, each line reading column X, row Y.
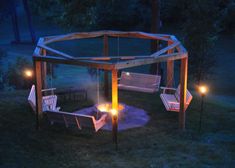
column 170, row 47
column 87, row 63
column 81, row 35
column 62, row 54
column 139, row 62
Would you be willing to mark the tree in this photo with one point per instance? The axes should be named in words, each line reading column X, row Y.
column 15, row 74
column 155, row 26
column 200, row 35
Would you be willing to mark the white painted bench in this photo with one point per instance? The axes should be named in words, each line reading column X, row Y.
column 75, row 119
column 48, row 102
column 172, row 101
column 139, row 82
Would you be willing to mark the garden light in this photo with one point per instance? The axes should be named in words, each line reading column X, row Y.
column 28, row 73
column 203, row 90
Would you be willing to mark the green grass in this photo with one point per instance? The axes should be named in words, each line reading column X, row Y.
column 158, row 144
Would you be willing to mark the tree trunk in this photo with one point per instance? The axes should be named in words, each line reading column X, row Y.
column 155, row 26
column 30, row 25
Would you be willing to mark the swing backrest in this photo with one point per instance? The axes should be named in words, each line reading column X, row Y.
column 188, row 95
column 69, row 119
column 32, row 98
column 87, row 121
column 49, row 102
column 140, row 80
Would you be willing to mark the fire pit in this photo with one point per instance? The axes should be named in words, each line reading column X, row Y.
column 107, row 108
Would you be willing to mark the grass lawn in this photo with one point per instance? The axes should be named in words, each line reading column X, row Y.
column 158, row 144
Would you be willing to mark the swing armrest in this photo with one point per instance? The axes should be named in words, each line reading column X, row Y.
column 167, row 88
column 50, row 89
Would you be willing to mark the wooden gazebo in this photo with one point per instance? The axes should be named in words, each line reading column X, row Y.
column 172, row 51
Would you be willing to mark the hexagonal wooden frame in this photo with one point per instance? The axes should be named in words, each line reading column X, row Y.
column 174, row 51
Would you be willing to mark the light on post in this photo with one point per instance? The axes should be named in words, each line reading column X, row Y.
column 28, row 73
column 203, row 90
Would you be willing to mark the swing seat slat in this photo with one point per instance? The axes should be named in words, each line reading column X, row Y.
column 139, row 82
column 76, row 119
column 172, row 101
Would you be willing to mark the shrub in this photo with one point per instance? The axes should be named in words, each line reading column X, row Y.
column 15, row 76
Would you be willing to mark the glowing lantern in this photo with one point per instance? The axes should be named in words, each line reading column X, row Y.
column 203, row 90
column 28, row 73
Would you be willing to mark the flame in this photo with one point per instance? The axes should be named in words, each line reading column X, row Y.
column 107, row 107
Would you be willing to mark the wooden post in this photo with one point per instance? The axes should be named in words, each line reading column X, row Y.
column 106, row 75
column 170, row 69
column 115, row 105
column 38, row 91
column 44, row 71
column 183, row 88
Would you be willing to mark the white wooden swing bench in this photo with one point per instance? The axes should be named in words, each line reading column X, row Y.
column 49, row 106
column 49, row 102
column 172, row 101
column 139, row 82
column 76, row 119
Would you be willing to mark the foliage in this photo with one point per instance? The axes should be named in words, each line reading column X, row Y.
column 226, row 21
column 49, row 9
column 15, row 76
column 199, row 37
column 173, row 11
column 91, row 14
column 122, row 14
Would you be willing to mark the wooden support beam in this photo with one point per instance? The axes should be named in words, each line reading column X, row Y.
column 172, row 46
column 44, row 71
column 87, row 63
column 106, row 74
column 38, row 83
column 139, row 62
column 170, row 69
column 183, row 88
column 115, row 105
column 60, row 53
column 115, row 89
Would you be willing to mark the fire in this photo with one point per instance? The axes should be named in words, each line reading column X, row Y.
column 104, row 107
column 107, row 107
